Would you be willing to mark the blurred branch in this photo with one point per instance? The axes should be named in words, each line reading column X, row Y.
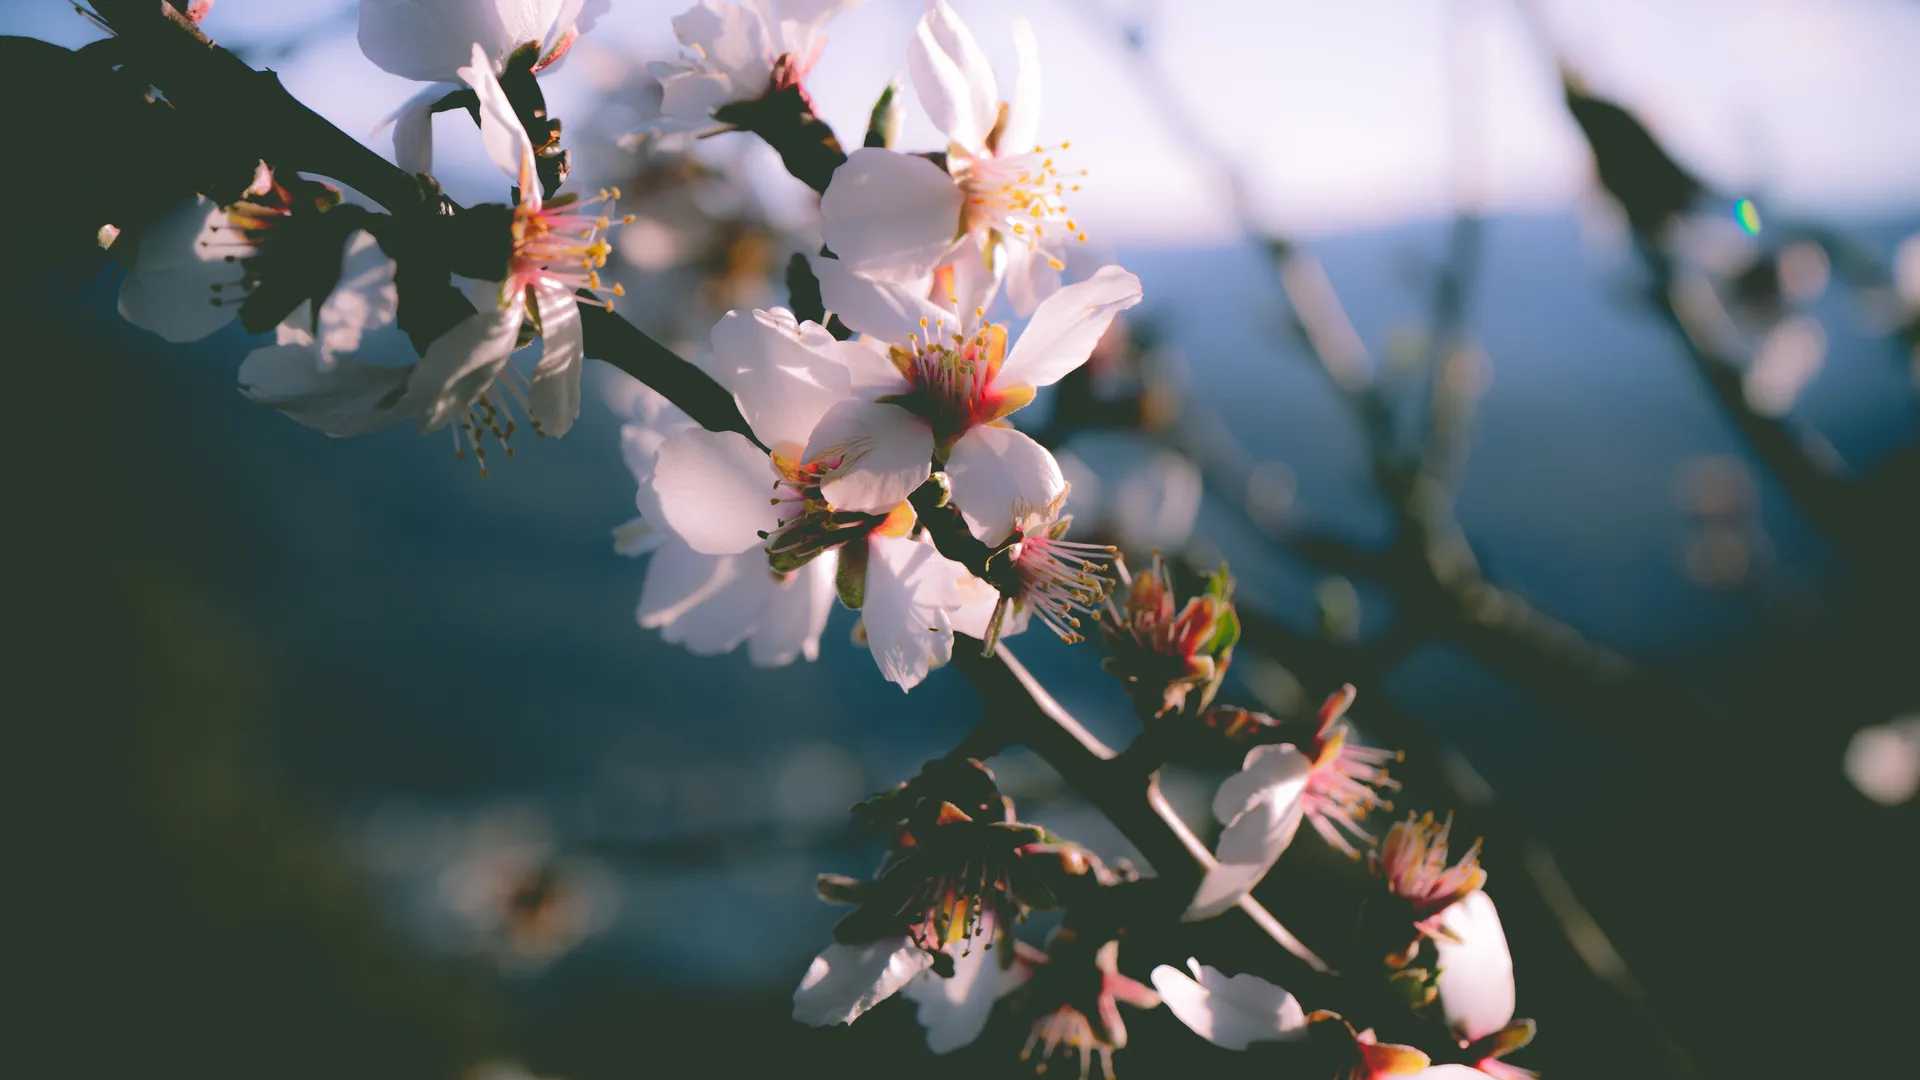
column 1430, row 564
column 1656, row 193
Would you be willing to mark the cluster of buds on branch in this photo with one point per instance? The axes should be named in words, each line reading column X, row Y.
column 857, row 446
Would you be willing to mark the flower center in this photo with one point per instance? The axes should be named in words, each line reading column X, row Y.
column 1060, row 579
column 806, row 524
column 1341, row 789
column 560, row 242
column 249, row 225
column 1413, row 862
column 952, row 376
column 1021, row 196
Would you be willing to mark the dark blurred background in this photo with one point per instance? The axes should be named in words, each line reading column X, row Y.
column 1600, row 482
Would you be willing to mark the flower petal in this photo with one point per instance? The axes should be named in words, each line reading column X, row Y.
column 413, row 128
column 638, row 536
column 886, row 212
column 878, row 453
column 679, row 579
column 553, row 390
column 847, row 980
column 795, row 615
column 461, row 364
column 1033, row 272
column 345, row 398
column 954, row 1010
column 716, row 490
column 1476, row 971
column 910, row 591
column 1261, row 808
column 952, row 78
column 1230, row 1012
column 885, row 309
column 426, row 41
column 975, row 613
column 1000, row 477
column 687, row 100
column 1066, row 326
column 180, row 271
column 1017, row 135
column 364, row 299
column 784, row 374
column 500, row 131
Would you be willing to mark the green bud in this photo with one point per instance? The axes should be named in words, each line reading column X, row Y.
column 883, row 125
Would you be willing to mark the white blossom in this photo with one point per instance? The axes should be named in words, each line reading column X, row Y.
column 731, row 52
column 431, row 40
column 936, row 380
column 557, row 249
column 892, row 214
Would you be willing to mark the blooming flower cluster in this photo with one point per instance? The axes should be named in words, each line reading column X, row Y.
column 857, row 445
column 851, row 432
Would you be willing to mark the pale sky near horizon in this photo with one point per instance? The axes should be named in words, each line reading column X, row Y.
column 1341, row 114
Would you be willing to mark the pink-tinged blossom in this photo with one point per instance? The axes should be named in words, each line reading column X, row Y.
column 1078, row 999
column 764, row 516
column 1412, row 863
column 1347, row 778
column 1054, row 579
column 1278, row 786
column 1170, row 657
column 464, row 379
column 934, row 383
column 891, row 214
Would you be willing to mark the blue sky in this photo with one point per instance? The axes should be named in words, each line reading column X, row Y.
column 1342, row 113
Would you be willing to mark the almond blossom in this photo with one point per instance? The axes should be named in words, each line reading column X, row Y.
column 937, row 919
column 1332, row 784
column 708, row 603
column 723, row 496
column 1412, row 863
column 430, row 40
column 1078, row 991
column 894, row 214
column 936, row 384
column 737, row 52
column 195, row 264
column 464, row 375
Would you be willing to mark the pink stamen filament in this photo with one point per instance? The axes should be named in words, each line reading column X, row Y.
column 1060, row 578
